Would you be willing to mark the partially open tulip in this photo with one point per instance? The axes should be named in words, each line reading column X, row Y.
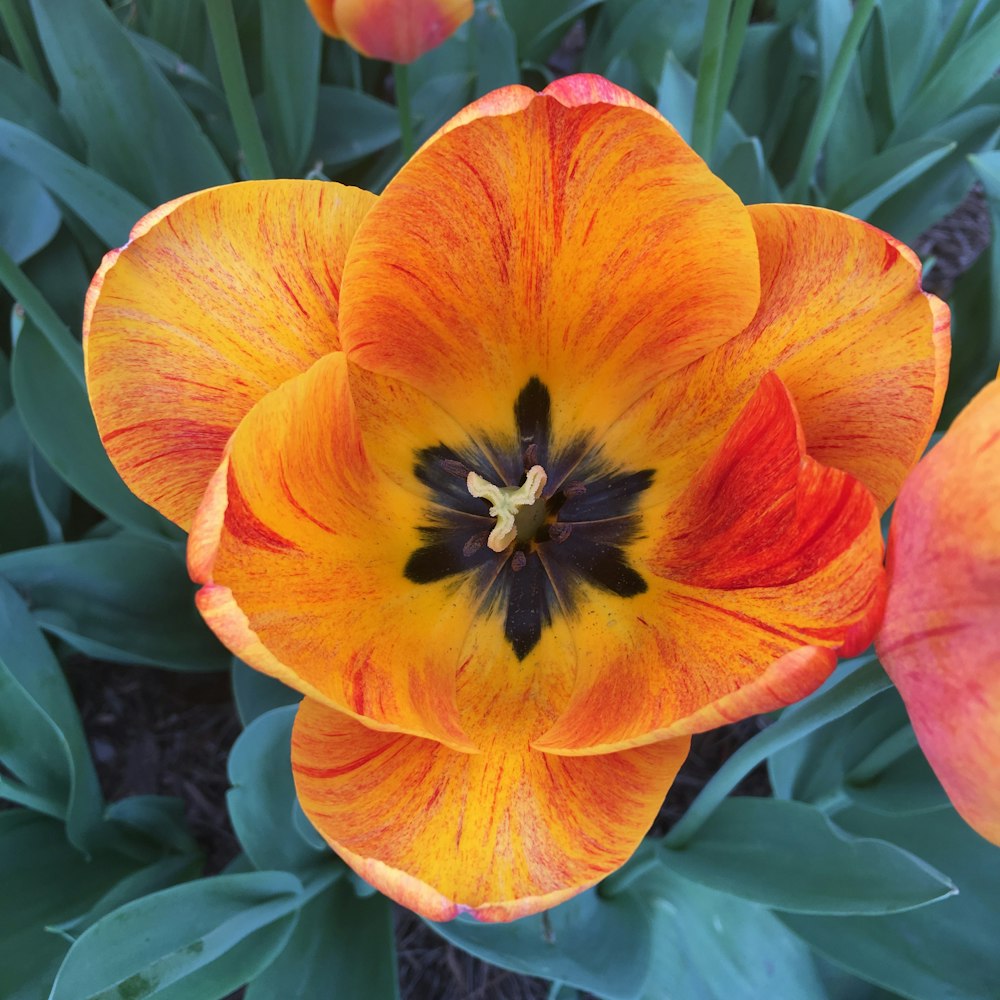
column 522, row 472
column 940, row 642
column 397, row 30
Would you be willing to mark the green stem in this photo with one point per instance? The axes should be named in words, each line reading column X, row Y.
column 709, row 65
column 222, row 24
column 10, row 16
column 401, row 75
column 355, row 61
column 867, row 681
column 832, row 93
column 735, row 37
column 56, row 332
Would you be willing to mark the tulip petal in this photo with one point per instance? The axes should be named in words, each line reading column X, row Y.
column 396, row 30
column 765, row 566
column 843, row 321
column 497, row 835
column 218, row 298
column 301, row 544
column 940, row 641
column 322, row 10
column 581, row 245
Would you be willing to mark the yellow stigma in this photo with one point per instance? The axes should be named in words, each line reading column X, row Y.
column 506, row 501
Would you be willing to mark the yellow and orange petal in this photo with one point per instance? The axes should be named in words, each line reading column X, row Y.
column 763, row 568
column 940, row 641
column 396, row 30
column 844, row 322
column 496, row 835
column 573, row 237
column 301, row 544
column 217, row 299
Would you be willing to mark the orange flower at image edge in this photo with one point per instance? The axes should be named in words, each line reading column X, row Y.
column 940, row 642
column 523, row 472
column 397, row 30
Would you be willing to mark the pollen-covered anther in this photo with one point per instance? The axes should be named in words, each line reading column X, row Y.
column 506, row 501
column 518, row 561
column 560, row 531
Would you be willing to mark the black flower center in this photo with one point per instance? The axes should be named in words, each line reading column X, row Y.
column 577, row 532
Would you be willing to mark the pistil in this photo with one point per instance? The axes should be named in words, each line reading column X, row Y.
column 506, row 502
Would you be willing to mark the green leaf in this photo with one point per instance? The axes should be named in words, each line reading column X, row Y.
column 790, row 856
column 495, row 48
column 22, row 522
column 257, row 693
column 147, row 825
column 339, row 939
column 711, row 946
column 876, row 179
column 124, row 598
column 86, row 48
column 23, row 101
column 41, row 737
column 593, row 943
column 352, row 125
column 29, row 218
column 106, row 208
column 57, row 415
column 971, row 66
column 45, row 882
column 197, row 941
column 745, row 171
column 911, row 29
column 262, row 800
column 942, row 952
column 540, row 26
column 907, row 786
column 199, row 93
column 291, row 44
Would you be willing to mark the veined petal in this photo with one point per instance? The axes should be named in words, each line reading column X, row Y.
column 396, row 30
column 763, row 568
column 497, row 835
column 940, row 641
column 581, row 245
column 842, row 319
column 301, row 544
column 217, row 298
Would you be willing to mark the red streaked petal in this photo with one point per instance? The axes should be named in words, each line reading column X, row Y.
column 497, row 835
column 940, row 641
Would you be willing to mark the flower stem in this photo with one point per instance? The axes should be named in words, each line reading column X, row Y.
column 35, row 305
column 20, row 41
column 401, row 75
column 222, row 24
column 866, row 682
column 827, row 109
column 709, row 65
column 735, row 37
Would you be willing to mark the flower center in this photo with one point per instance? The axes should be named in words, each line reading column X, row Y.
column 519, row 510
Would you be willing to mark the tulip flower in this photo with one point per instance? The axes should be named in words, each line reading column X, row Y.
column 526, row 470
column 940, row 641
column 397, row 30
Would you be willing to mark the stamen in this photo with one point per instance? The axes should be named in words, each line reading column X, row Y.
column 560, row 531
column 530, row 455
column 518, row 561
column 475, row 543
column 506, row 501
column 574, row 489
column 455, row 468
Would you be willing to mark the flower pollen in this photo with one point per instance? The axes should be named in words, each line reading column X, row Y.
column 518, row 511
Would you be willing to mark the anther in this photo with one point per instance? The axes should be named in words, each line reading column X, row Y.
column 475, row 543
column 518, row 561
column 574, row 489
column 530, row 456
column 454, row 468
column 560, row 531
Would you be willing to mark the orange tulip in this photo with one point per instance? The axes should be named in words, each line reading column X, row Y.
column 940, row 642
column 397, row 30
column 547, row 458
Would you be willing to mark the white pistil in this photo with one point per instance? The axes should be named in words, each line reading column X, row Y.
column 506, row 501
